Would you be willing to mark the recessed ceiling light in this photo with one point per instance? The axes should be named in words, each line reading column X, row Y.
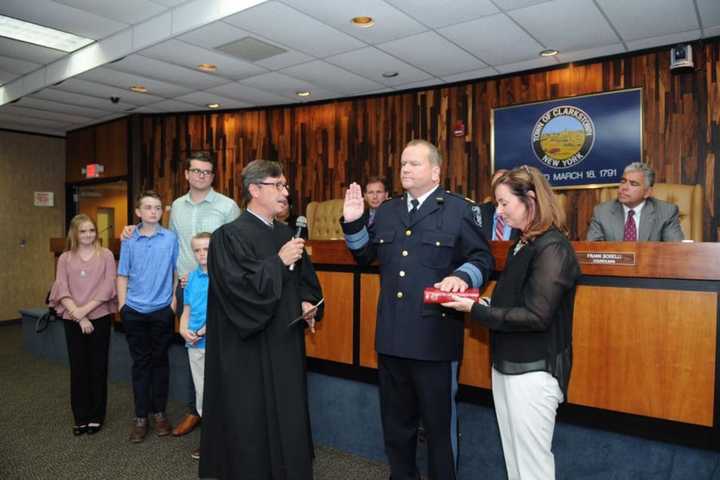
column 39, row 35
column 138, row 89
column 303, row 93
column 390, row 74
column 363, row 22
column 207, row 67
column 550, row 52
column 213, row 105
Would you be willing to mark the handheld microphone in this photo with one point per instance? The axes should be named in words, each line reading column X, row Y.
column 300, row 223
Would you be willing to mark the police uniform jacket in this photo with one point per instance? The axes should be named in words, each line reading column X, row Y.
column 443, row 238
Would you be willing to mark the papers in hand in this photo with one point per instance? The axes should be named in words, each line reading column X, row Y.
column 310, row 311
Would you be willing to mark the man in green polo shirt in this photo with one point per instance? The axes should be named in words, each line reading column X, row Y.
column 201, row 209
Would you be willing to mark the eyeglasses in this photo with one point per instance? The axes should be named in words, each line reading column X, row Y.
column 199, row 172
column 279, row 185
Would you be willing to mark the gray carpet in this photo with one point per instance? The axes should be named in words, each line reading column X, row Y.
column 36, row 440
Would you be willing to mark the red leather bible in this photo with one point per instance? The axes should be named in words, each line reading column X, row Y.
column 435, row 295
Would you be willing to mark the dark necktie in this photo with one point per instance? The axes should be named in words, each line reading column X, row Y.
column 415, row 202
column 630, row 233
column 499, row 228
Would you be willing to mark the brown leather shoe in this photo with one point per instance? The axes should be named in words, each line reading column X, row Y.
column 139, row 430
column 186, row 425
column 162, row 426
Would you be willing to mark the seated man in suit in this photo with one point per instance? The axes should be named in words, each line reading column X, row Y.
column 376, row 192
column 635, row 215
column 494, row 226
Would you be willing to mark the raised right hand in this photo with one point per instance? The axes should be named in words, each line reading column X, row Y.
column 292, row 251
column 354, row 204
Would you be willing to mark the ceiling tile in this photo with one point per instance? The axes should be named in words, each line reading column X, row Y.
column 5, row 77
column 513, row 4
column 481, row 73
column 53, row 106
column 23, row 111
column 527, row 65
column 169, row 106
column 40, row 122
column 166, row 72
column 425, row 83
column 203, row 99
column 126, row 11
column 98, row 90
column 126, row 80
column 250, row 95
column 27, row 52
column 709, row 15
column 293, row 30
column 441, row 13
column 433, row 54
column 640, row 19
column 664, row 40
column 372, row 63
column 190, row 56
column 64, row 96
column 604, row 51
column 390, row 23
column 9, row 125
column 496, row 40
column 213, row 35
column 331, row 77
column 62, row 17
column 583, row 26
column 285, row 86
column 14, row 65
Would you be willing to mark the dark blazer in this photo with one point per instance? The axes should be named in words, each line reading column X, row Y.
column 444, row 238
column 659, row 222
column 487, row 211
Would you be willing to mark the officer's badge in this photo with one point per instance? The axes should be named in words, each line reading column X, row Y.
column 477, row 215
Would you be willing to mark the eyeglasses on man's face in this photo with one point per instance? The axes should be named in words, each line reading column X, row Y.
column 278, row 185
column 200, row 172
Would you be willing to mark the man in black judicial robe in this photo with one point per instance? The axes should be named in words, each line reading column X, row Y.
column 256, row 422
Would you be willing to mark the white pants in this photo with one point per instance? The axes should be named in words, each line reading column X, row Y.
column 525, row 406
column 197, row 368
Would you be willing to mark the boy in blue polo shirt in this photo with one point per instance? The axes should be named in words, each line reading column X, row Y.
column 194, row 316
column 145, row 284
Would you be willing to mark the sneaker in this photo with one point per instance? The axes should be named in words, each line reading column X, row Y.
column 195, row 454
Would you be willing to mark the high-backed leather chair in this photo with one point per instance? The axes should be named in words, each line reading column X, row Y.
column 688, row 198
column 324, row 220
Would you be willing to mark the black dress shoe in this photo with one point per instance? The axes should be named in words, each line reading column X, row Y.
column 92, row 429
column 79, row 430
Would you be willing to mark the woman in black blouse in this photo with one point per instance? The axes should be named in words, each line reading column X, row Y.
column 530, row 318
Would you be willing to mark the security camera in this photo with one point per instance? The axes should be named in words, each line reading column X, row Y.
column 681, row 59
column 114, row 99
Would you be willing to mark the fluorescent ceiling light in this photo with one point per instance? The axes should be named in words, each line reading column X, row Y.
column 39, row 35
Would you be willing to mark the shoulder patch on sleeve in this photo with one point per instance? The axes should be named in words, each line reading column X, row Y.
column 477, row 216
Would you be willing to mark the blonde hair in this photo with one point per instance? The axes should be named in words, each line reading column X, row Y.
column 531, row 187
column 433, row 153
column 73, row 242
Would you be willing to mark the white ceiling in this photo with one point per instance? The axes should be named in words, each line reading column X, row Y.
column 159, row 43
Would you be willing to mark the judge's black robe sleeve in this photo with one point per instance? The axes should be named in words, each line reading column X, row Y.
column 248, row 289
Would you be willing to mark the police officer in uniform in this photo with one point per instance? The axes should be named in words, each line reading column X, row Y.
column 425, row 238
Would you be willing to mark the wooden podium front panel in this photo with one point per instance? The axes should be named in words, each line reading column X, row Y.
column 333, row 338
column 645, row 352
column 475, row 368
column 369, row 294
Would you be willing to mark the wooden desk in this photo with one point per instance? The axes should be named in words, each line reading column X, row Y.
column 644, row 335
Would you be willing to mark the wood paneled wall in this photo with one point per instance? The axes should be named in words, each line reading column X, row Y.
column 326, row 146
column 106, row 144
